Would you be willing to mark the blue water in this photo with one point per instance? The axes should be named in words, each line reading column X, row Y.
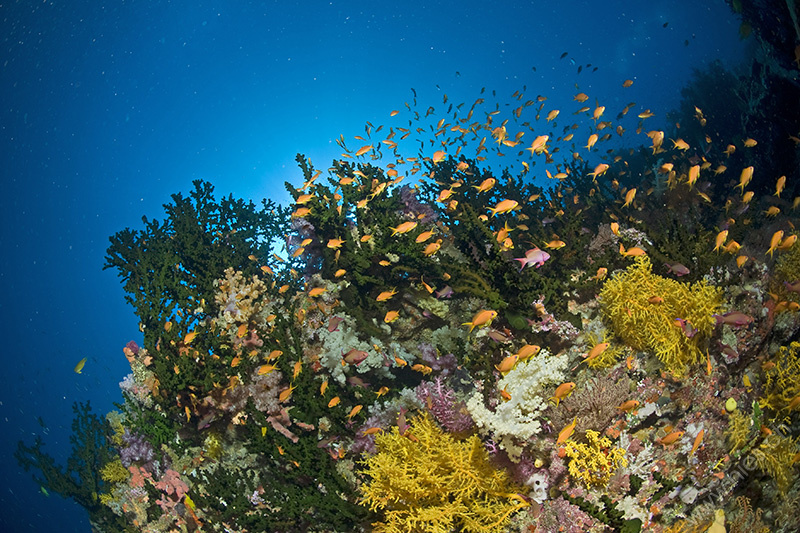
column 107, row 109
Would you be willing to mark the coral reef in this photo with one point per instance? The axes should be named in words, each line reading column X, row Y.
column 447, row 484
column 643, row 308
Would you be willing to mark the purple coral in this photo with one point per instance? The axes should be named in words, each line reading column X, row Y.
column 137, row 450
column 444, row 406
column 413, row 207
column 443, row 364
column 133, row 347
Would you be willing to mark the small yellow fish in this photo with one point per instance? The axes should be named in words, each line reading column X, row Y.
column 671, row 438
column 507, row 364
column 775, row 241
column 697, row 440
column 504, row 206
column 391, row 316
column 189, row 337
column 749, row 143
column 745, row 177
column 633, row 251
column 323, row 388
column 316, row 291
column 629, row 196
column 339, row 273
column 485, row 185
column 527, row 351
column 566, row 433
column 424, row 236
column 481, row 318
column 265, row 369
column 720, row 240
column 363, row 150
column 779, row 186
column 562, row 391
column 334, row 401
column 592, row 140
column 602, row 272
column 432, row 248
column 385, row 295
column 615, row 228
column 354, row 411
column 79, row 367
column 286, row 393
column 628, row 406
column 405, row 227
column 680, row 144
column 423, row 369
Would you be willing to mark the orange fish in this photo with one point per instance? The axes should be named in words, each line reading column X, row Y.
column 562, row 391
column 555, row 244
column 680, row 144
column 697, row 440
column 286, row 393
column 391, row 316
column 538, row 144
column 363, row 150
column 596, row 351
column 775, row 241
column 316, row 291
column 602, row 272
column 405, row 227
column 670, row 438
column 354, row 411
column 720, row 240
column 633, row 251
column 566, row 433
column 385, row 295
column 424, row 236
column 504, row 206
column 599, row 170
column 694, row 173
column 485, row 185
column 779, row 186
column 481, row 318
column 629, row 197
column 592, row 140
column 628, row 406
column 749, row 143
column 507, row 364
column 745, row 177
column 527, row 351
column 627, row 83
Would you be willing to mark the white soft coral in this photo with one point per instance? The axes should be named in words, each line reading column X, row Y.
column 518, row 418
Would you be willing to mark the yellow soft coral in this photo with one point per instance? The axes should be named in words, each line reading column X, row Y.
column 775, row 457
column 642, row 308
column 595, row 462
column 426, row 480
column 114, row 472
column 782, row 387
